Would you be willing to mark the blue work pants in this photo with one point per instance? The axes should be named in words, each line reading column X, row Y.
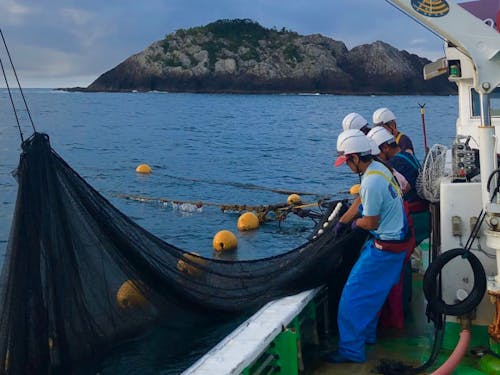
column 366, row 289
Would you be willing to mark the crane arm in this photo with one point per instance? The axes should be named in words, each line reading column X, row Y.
column 472, row 36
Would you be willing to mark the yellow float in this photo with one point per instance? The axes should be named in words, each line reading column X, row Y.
column 143, row 169
column 248, row 221
column 129, row 296
column 294, row 199
column 185, row 264
column 225, row 240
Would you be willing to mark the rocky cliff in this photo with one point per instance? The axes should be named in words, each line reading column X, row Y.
column 242, row 56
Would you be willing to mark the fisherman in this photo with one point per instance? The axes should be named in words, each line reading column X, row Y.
column 379, row 265
column 385, row 118
column 378, row 155
column 407, row 164
column 392, row 315
column 355, row 121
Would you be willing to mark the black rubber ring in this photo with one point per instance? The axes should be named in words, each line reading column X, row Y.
column 474, row 298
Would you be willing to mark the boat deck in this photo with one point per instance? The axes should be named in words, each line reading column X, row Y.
column 411, row 345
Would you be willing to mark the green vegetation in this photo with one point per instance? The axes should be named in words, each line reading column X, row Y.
column 181, row 33
column 233, row 34
column 156, row 58
column 165, row 45
column 238, row 31
column 251, row 54
column 172, row 61
column 212, row 47
column 292, row 53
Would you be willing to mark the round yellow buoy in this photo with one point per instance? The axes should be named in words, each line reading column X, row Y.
column 225, row 240
column 354, row 190
column 248, row 221
column 188, row 267
column 129, row 296
column 143, row 168
column 294, row 199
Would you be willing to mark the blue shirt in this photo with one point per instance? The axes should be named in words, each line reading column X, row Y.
column 380, row 196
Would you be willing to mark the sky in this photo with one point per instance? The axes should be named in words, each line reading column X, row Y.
column 67, row 43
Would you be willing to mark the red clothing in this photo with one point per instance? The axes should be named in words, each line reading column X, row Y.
column 392, row 314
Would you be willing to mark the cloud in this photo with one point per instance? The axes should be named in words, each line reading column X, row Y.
column 84, row 26
column 75, row 16
column 57, row 39
column 13, row 12
column 49, row 63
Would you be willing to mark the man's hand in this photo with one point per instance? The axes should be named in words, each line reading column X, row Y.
column 339, row 228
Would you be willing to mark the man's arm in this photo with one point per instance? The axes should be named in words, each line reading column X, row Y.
column 368, row 222
column 352, row 212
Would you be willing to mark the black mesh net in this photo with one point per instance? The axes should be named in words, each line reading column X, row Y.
column 79, row 276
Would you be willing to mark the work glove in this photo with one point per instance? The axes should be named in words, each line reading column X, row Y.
column 339, row 228
column 354, row 225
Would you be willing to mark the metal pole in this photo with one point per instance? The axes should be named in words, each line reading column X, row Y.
column 485, row 109
column 487, row 148
column 422, row 114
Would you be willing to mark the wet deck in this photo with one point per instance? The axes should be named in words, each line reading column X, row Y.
column 411, row 345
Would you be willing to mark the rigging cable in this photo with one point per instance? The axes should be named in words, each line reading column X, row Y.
column 18, row 85
column 243, row 185
column 12, row 101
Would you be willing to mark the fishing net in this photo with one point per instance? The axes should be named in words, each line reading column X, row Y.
column 429, row 179
column 79, row 276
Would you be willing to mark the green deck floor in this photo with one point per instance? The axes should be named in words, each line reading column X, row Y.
column 411, row 345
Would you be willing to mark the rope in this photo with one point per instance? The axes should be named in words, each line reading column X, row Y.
column 280, row 210
column 244, row 186
column 140, row 198
column 11, row 100
column 10, row 91
column 475, row 230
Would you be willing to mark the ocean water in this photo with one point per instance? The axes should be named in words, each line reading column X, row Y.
column 218, row 149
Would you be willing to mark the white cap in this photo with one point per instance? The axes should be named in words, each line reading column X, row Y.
column 380, row 135
column 345, row 134
column 382, row 116
column 354, row 121
column 375, row 149
column 352, row 141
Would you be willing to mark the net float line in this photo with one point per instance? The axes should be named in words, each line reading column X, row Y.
column 279, row 211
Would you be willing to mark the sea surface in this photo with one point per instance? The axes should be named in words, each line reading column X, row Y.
column 217, row 149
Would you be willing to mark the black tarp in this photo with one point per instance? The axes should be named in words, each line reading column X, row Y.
column 79, row 275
